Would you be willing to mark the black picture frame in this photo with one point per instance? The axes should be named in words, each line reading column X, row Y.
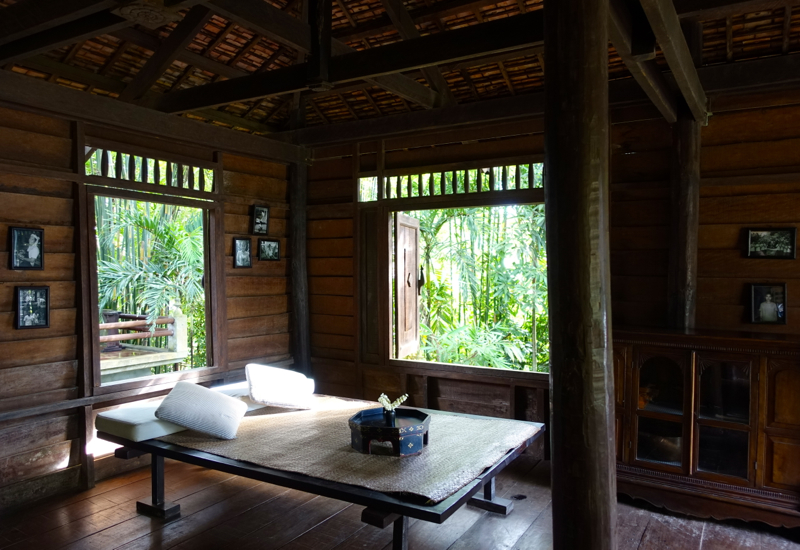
column 26, row 248
column 242, row 255
column 777, row 243
column 32, row 307
column 761, row 296
column 259, row 222
column 269, row 250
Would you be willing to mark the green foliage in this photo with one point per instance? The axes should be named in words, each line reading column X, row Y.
column 485, row 298
column 150, row 256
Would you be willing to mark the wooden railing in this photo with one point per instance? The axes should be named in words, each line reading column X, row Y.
column 139, row 325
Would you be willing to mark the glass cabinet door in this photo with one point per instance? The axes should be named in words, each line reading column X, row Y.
column 659, row 433
column 724, row 417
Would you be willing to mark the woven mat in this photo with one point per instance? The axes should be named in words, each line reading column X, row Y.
column 317, row 443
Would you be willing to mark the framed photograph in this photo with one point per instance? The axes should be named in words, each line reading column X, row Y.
column 768, row 303
column 779, row 243
column 269, row 249
column 241, row 253
column 33, row 306
column 260, row 220
column 26, row 247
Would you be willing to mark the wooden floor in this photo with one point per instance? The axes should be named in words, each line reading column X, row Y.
column 221, row 511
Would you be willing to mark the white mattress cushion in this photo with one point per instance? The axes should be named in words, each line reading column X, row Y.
column 279, row 387
column 135, row 422
column 203, row 410
column 240, row 391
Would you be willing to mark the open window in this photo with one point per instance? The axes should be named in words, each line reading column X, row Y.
column 467, row 283
column 151, row 231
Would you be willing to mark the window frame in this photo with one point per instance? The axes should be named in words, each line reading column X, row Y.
column 214, row 269
column 383, row 210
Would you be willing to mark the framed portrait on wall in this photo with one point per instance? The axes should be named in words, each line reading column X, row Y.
column 33, row 307
column 269, row 249
column 26, row 248
column 778, row 243
column 260, row 222
column 241, row 253
column 768, row 303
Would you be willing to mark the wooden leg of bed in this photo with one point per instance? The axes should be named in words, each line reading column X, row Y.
column 490, row 502
column 400, row 534
column 158, row 507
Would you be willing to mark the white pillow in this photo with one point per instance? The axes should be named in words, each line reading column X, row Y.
column 202, row 410
column 279, row 387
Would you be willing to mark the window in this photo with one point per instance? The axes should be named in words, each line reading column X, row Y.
column 467, row 284
column 150, row 265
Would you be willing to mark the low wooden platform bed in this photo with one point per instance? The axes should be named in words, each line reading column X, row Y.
column 139, row 432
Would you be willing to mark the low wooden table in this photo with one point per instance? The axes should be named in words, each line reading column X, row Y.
column 381, row 510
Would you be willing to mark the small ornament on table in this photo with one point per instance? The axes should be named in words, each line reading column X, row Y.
column 389, row 408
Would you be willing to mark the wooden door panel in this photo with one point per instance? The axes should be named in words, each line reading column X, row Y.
column 406, row 283
column 783, row 387
column 783, row 463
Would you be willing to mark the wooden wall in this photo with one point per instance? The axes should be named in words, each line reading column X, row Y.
column 38, row 366
column 42, row 454
column 750, row 165
column 258, row 297
column 331, row 281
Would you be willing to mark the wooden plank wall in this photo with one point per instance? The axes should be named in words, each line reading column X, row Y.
column 41, row 455
column 38, row 366
column 750, row 165
column 331, row 281
column 257, row 297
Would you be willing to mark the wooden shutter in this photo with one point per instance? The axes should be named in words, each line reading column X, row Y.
column 406, row 231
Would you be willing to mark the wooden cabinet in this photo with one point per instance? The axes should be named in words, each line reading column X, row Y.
column 709, row 423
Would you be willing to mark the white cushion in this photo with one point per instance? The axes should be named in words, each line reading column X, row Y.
column 279, row 387
column 135, row 422
column 202, row 410
column 240, row 391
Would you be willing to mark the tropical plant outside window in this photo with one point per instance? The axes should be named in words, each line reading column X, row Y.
column 482, row 289
column 150, row 266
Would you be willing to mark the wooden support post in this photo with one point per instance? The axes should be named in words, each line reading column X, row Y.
column 158, row 507
column 301, row 332
column 576, row 191
column 685, row 203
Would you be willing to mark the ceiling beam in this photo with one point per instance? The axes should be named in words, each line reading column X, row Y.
column 152, row 43
column 76, row 74
column 170, row 48
column 717, row 9
column 20, row 90
column 28, row 17
column 63, row 35
column 408, row 31
column 266, row 20
column 645, row 72
column 398, row 84
column 767, row 73
column 667, row 28
column 507, row 34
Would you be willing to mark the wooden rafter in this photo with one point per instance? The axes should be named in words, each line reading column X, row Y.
column 717, row 9
column 20, row 89
column 266, row 20
column 645, row 72
column 270, row 21
column 349, row 107
column 506, row 78
column 319, row 112
column 63, row 35
column 470, row 84
column 346, row 13
column 408, row 31
column 179, row 38
column 667, row 29
column 502, row 35
column 28, row 17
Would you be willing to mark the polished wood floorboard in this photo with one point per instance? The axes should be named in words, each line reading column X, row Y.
column 222, row 511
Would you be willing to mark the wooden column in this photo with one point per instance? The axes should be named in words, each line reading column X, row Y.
column 301, row 331
column 576, row 201
column 685, row 203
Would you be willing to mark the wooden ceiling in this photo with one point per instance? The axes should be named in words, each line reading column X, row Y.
column 239, row 63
